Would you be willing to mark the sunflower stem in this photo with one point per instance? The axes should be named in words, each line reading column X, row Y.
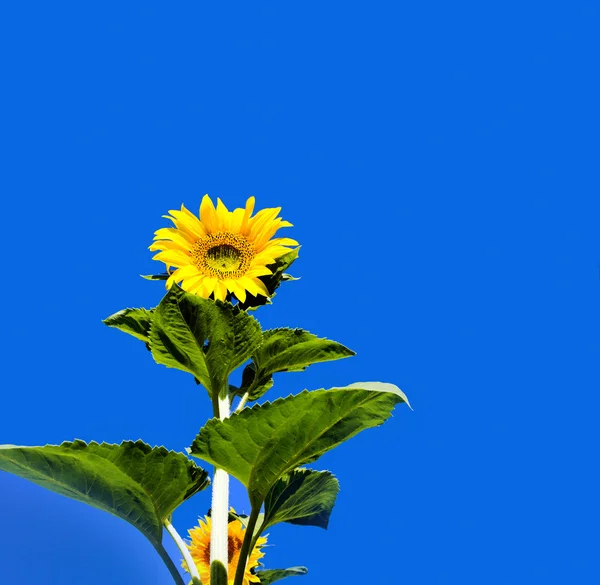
column 219, row 541
column 168, row 561
column 245, row 551
column 242, row 402
column 184, row 550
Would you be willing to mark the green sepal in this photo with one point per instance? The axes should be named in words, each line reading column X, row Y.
column 270, row 576
column 162, row 276
column 287, row 350
column 136, row 322
column 272, row 281
column 138, row 483
column 218, row 573
column 209, row 339
column 303, row 496
column 196, row 581
column 259, row 445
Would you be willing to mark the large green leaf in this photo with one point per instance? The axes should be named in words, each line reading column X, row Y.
column 272, row 281
column 136, row 322
column 287, row 350
column 303, row 496
column 272, row 575
column 208, row 339
column 133, row 481
column 259, row 445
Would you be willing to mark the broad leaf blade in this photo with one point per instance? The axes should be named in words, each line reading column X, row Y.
column 270, row 576
column 136, row 322
column 259, row 445
column 303, row 496
column 133, row 481
column 288, row 350
column 208, row 339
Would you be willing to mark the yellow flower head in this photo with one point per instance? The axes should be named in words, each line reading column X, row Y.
column 221, row 251
column 200, row 551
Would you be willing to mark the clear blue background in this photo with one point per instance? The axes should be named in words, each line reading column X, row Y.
column 440, row 163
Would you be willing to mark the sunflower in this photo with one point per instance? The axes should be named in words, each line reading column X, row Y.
column 200, row 551
column 221, row 251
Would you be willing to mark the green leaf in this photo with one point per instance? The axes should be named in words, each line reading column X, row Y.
column 270, row 576
column 136, row 322
column 162, row 276
column 133, row 481
column 218, row 573
column 272, row 281
column 208, row 339
column 287, row 350
column 303, row 496
column 259, row 445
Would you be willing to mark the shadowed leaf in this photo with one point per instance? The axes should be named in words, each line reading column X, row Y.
column 133, row 481
column 303, row 496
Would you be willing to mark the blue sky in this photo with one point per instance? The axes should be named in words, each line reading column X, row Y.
column 440, row 164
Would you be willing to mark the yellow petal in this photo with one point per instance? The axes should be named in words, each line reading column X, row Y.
column 193, row 285
column 284, row 242
column 193, row 220
column 175, row 258
column 220, row 291
column 193, row 279
column 250, row 284
column 222, row 216
column 168, row 245
column 235, row 221
column 234, row 287
column 259, row 270
column 208, row 286
column 270, row 254
column 266, row 233
column 261, row 287
column 261, row 219
column 247, row 213
column 183, row 273
column 208, row 215
column 175, row 235
column 189, row 223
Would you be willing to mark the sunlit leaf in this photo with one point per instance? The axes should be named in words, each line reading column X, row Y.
column 270, row 576
column 259, row 445
column 209, row 339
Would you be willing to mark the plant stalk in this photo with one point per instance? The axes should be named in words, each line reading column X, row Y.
column 168, row 561
column 244, row 553
column 184, row 550
column 243, row 401
column 219, row 541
